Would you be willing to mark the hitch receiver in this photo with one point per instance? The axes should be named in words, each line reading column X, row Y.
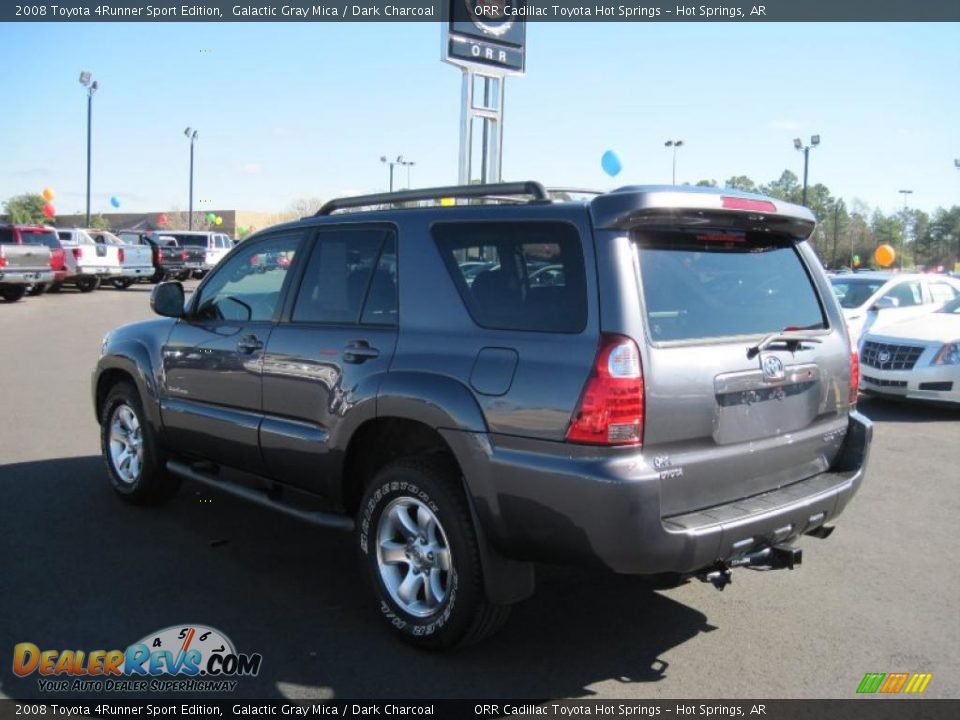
column 773, row 557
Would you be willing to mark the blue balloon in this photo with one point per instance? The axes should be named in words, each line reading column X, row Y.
column 115, row 201
column 610, row 162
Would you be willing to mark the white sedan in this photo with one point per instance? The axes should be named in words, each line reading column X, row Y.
column 917, row 358
column 874, row 300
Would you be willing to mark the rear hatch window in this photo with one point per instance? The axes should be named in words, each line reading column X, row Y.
column 712, row 284
column 48, row 238
column 196, row 241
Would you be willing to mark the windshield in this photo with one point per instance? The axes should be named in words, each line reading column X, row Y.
column 854, row 292
column 705, row 284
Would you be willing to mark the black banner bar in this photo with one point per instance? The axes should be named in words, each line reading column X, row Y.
column 438, row 11
column 873, row 708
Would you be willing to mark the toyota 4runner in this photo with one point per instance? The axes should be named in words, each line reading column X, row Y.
column 653, row 380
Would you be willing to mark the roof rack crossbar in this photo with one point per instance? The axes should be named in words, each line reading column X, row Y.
column 527, row 187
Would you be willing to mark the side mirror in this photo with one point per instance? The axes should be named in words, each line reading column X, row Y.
column 885, row 303
column 167, row 299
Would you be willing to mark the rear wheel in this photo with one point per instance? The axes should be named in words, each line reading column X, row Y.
column 88, row 284
column 12, row 293
column 420, row 551
column 135, row 461
column 38, row 289
column 122, row 283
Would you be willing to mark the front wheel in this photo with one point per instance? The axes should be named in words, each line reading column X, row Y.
column 13, row 293
column 135, row 461
column 419, row 548
column 122, row 283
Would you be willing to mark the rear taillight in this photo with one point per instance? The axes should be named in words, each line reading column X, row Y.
column 854, row 371
column 183, row 255
column 610, row 411
column 159, row 256
column 77, row 253
column 3, row 262
column 120, row 255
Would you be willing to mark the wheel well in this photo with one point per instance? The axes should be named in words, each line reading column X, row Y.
column 380, row 441
column 106, row 381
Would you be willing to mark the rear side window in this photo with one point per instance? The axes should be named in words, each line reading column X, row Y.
column 517, row 276
column 706, row 285
column 6, row 236
column 941, row 292
column 351, row 278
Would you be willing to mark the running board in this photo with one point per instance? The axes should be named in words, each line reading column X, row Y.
column 314, row 517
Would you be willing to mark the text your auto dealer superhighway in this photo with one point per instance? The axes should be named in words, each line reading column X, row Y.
column 332, row 11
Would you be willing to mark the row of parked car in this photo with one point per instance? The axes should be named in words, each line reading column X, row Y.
column 38, row 258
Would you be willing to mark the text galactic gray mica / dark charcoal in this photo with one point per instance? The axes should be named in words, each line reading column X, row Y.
column 447, row 381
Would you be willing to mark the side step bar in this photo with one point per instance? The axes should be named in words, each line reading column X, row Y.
column 314, row 517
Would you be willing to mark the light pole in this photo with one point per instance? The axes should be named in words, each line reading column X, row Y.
column 408, row 164
column 903, row 241
column 191, row 135
column 674, row 144
column 392, row 163
column 86, row 79
column 805, row 149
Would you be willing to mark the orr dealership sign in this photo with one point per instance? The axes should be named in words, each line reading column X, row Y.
column 487, row 34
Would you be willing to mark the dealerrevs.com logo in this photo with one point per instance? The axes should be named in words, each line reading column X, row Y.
column 181, row 658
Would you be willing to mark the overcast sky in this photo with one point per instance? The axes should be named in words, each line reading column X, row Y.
column 286, row 111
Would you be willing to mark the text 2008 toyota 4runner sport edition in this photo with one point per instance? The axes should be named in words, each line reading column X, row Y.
column 655, row 380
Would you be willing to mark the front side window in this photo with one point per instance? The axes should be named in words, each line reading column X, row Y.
column 351, row 278
column 702, row 284
column 517, row 276
column 247, row 288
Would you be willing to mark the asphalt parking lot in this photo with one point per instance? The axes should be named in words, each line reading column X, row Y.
column 81, row 569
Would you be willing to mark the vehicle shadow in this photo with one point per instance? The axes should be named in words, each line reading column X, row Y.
column 84, row 570
column 885, row 409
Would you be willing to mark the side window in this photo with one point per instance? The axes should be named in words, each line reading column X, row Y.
column 6, row 236
column 517, row 276
column 248, row 287
column 942, row 292
column 906, row 294
column 351, row 277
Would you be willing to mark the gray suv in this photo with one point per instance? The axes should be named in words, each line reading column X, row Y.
column 654, row 380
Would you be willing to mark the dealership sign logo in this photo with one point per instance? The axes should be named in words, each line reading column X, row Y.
column 894, row 683
column 189, row 657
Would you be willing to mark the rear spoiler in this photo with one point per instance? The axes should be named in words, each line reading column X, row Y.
column 667, row 206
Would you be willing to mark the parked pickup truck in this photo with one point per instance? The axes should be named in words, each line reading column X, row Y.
column 136, row 261
column 205, row 249
column 61, row 262
column 22, row 264
column 168, row 257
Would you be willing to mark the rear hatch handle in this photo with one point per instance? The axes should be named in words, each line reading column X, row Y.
column 793, row 340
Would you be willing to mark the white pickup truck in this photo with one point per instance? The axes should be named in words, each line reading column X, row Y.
column 136, row 261
column 97, row 262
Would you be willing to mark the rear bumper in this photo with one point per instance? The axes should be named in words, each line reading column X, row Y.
column 140, row 271
column 26, row 277
column 607, row 513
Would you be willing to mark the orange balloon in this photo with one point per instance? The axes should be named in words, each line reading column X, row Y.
column 48, row 194
column 884, row 255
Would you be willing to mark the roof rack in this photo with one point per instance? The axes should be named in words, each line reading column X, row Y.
column 574, row 191
column 527, row 187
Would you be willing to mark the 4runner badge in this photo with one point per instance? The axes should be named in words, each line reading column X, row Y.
column 772, row 368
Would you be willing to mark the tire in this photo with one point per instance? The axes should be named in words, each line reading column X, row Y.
column 408, row 502
column 88, row 284
column 13, row 293
column 122, row 283
column 55, row 287
column 136, row 463
column 38, row 289
column 183, row 276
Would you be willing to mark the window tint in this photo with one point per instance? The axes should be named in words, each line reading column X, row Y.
column 248, row 286
column 6, row 236
column 942, row 292
column 704, row 285
column 351, row 270
column 185, row 240
column 906, row 294
column 517, row 276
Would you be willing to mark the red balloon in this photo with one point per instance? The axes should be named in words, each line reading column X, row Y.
column 49, row 210
column 162, row 220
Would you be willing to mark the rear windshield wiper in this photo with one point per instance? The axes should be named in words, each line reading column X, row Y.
column 792, row 339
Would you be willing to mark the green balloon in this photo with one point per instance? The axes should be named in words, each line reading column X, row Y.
column 211, row 217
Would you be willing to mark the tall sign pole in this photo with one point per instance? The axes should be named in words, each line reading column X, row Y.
column 486, row 39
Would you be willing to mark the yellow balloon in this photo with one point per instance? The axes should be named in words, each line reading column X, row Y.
column 48, row 194
column 884, row 255
column 219, row 220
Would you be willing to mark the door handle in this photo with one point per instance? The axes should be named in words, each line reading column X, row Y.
column 358, row 351
column 249, row 344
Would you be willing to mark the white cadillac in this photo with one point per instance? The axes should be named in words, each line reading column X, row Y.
column 917, row 358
